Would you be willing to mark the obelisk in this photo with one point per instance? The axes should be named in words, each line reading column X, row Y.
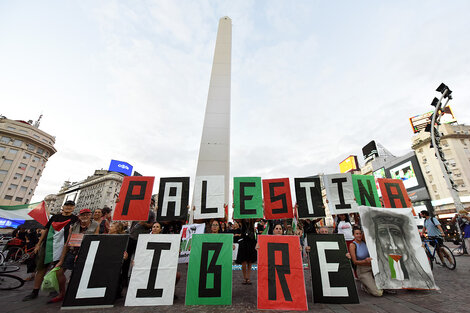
column 214, row 152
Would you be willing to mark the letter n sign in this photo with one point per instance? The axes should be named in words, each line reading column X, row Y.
column 135, row 195
column 365, row 190
column 277, row 199
column 210, row 270
column 394, row 193
column 332, row 278
column 281, row 284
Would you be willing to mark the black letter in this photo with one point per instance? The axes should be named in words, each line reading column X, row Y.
column 203, row 200
column 281, row 197
column 281, row 270
column 151, row 292
column 364, row 193
column 342, row 204
column 392, row 197
column 214, row 269
column 244, row 198
column 130, row 196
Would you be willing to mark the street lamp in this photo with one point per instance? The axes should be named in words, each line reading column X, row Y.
column 435, row 142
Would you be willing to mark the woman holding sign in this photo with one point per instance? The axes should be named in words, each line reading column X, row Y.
column 361, row 258
column 246, row 249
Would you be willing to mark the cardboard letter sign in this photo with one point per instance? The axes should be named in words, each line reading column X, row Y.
column 154, row 273
column 208, row 197
column 340, row 193
column 135, row 195
column 332, row 278
column 281, row 284
column 365, row 190
column 394, row 193
column 173, row 197
column 277, row 199
column 95, row 278
column 309, row 198
column 210, row 270
column 247, row 197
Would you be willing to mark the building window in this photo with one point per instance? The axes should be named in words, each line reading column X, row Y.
column 7, row 162
column 8, row 197
column 13, row 151
column 10, row 127
column 23, row 131
column 23, row 189
column 47, row 154
column 17, row 143
column 35, row 159
column 5, row 139
column 1, row 183
column 31, row 147
column 27, row 178
column 32, row 169
column 17, row 176
column 40, row 151
column 12, row 187
column 3, row 172
column 2, row 149
column 36, row 136
column 22, row 166
column 18, row 199
column 26, row 155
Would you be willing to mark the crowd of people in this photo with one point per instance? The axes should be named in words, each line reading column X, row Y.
column 244, row 232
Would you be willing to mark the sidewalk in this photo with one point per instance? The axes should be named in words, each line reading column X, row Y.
column 454, row 296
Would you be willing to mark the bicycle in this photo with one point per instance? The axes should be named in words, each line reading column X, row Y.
column 448, row 259
column 8, row 281
column 460, row 250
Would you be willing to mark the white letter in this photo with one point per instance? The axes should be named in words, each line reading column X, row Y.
column 83, row 290
column 325, row 268
column 307, row 186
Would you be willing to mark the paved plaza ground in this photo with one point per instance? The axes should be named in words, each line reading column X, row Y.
column 454, row 296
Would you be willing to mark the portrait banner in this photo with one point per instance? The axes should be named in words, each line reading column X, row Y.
column 153, row 275
column 277, row 199
column 332, row 276
column 394, row 193
column 95, row 278
column 209, row 279
column 281, row 284
column 247, row 197
column 173, row 199
column 309, row 197
column 209, row 197
column 340, row 193
column 135, row 196
column 186, row 234
column 394, row 244
column 365, row 190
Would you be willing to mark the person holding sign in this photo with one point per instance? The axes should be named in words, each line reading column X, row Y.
column 361, row 258
column 344, row 227
column 246, row 249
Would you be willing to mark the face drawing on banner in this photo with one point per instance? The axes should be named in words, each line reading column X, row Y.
column 399, row 266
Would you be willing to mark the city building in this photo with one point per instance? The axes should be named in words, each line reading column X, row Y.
column 24, row 151
column 455, row 143
column 96, row 191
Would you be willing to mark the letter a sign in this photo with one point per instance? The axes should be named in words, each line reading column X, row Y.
column 281, row 284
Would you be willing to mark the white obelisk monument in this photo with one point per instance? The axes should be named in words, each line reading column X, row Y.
column 214, row 152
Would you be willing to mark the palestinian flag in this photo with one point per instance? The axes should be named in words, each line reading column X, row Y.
column 397, row 269
column 22, row 212
column 55, row 241
column 40, row 214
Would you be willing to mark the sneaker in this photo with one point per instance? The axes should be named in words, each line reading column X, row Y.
column 55, row 300
column 29, row 297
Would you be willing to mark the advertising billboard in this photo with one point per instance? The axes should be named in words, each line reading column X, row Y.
column 349, row 164
column 419, row 122
column 406, row 173
column 120, row 167
column 369, row 150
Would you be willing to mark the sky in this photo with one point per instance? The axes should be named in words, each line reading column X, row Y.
column 312, row 81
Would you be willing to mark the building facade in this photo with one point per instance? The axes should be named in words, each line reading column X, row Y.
column 24, row 151
column 455, row 144
column 96, row 191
